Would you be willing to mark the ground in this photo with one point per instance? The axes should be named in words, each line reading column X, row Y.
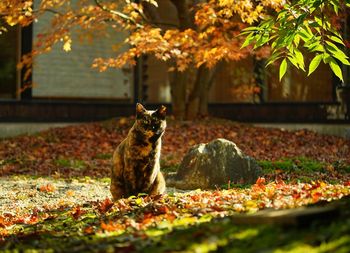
column 54, row 192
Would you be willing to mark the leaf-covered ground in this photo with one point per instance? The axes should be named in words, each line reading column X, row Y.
column 54, row 193
column 86, row 150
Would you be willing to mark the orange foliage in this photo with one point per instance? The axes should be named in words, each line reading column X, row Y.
column 212, row 38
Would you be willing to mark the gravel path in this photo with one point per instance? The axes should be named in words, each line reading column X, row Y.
column 21, row 194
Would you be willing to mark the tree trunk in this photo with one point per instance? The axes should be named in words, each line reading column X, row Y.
column 180, row 82
column 178, row 85
column 198, row 99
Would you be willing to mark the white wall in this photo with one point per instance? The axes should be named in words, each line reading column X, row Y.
column 69, row 74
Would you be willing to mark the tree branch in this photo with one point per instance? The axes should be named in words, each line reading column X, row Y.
column 117, row 13
column 183, row 14
column 35, row 11
column 152, row 17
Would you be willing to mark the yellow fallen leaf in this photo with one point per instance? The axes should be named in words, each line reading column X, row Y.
column 70, row 193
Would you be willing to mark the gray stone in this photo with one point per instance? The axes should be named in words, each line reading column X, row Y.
column 208, row 166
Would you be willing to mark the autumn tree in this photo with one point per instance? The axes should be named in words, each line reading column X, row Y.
column 206, row 33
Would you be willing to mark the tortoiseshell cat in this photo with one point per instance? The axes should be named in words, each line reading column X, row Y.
column 136, row 167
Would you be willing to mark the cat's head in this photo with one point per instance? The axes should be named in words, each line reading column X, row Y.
column 150, row 122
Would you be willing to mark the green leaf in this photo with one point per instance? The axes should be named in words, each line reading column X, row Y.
column 251, row 29
column 248, row 40
column 296, row 40
column 283, row 68
column 293, row 61
column 326, row 58
column 336, row 39
column 315, row 47
column 314, row 63
column 274, row 57
column 335, row 6
column 319, row 21
column 304, row 34
column 336, row 69
column 334, row 47
column 301, row 18
column 282, row 14
column 314, row 44
column 341, row 58
column 262, row 40
column 300, row 59
column 271, row 61
column 337, row 53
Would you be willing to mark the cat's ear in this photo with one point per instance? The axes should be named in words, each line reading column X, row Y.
column 161, row 112
column 140, row 110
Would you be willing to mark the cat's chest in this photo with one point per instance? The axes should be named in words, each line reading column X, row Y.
column 144, row 147
column 145, row 150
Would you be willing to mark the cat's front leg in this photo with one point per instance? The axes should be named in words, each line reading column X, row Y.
column 117, row 189
column 158, row 187
column 117, row 186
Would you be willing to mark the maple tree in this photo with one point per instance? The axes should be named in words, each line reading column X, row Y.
column 205, row 33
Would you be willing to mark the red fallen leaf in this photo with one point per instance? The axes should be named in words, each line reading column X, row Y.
column 280, row 183
column 19, row 220
column 260, row 184
column 296, row 195
column 154, row 198
column 195, row 197
column 77, row 212
column 217, row 208
column 23, row 219
column 47, row 188
column 104, row 206
column 89, row 230
column 170, row 216
column 260, row 180
column 315, row 185
column 32, row 219
column 347, row 183
column 163, row 210
column 187, row 206
column 148, row 218
column 111, row 226
column 3, row 222
column 316, row 196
